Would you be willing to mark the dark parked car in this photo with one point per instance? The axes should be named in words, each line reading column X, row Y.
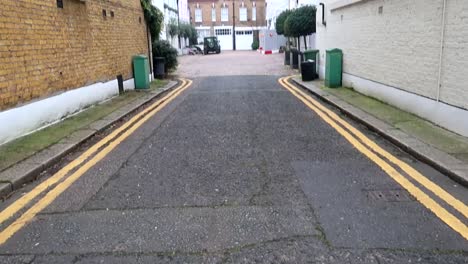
column 211, row 44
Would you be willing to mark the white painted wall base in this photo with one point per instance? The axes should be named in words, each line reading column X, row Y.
column 449, row 117
column 31, row 117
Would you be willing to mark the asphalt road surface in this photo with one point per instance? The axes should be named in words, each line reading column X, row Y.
column 235, row 169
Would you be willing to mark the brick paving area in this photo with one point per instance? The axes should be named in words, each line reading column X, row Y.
column 230, row 63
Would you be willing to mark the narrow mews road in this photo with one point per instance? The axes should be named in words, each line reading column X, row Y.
column 238, row 167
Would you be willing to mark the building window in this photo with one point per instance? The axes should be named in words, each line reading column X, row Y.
column 213, row 14
column 223, row 31
column 244, row 32
column 243, row 14
column 198, row 15
column 224, row 14
column 254, row 13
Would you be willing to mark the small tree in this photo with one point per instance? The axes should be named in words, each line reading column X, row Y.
column 280, row 22
column 292, row 26
column 173, row 28
column 279, row 25
column 193, row 39
column 185, row 31
column 306, row 17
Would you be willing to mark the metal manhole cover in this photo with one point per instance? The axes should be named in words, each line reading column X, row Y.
column 389, row 195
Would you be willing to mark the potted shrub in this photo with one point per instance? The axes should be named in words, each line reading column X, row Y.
column 255, row 45
column 164, row 49
column 279, row 26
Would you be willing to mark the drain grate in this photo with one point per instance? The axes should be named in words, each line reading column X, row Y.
column 398, row 195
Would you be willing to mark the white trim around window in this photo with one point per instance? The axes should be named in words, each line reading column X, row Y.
column 213, row 14
column 224, row 14
column 242, row 14
column 198, row 15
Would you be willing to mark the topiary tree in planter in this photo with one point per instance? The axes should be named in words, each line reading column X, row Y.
column 255, row 45
column 162, row 48
column 173, row 28
column 292, row 26
column 305, row 16
column 185, row 31
column 280, row 21
column 193, row 39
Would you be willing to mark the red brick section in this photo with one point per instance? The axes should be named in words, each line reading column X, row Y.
column 206, row 6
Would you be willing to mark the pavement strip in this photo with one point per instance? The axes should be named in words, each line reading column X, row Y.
column 368, row 147
column 84, row 162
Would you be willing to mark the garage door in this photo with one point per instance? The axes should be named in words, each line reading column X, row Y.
column 244, row 39
column 225, row 38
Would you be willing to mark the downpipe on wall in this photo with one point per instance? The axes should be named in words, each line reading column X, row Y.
column 442, row 41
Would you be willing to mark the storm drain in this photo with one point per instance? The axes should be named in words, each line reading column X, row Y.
column 389, row 195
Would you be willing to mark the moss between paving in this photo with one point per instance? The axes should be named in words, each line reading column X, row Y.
column 21, row 148
column 425, row 131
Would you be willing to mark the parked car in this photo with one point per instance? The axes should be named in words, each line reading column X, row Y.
column 198, row 49
column 211, row 44
column 192, row 50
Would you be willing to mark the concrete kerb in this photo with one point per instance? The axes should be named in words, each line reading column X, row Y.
column 30, row 168
column 439, row 160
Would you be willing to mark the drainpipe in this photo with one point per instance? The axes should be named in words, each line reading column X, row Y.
column 442, row 40
column 323, row 14
column 150, row 51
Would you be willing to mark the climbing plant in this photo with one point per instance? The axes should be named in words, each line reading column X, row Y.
column 154, row 18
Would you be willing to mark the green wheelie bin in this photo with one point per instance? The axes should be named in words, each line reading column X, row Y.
column 141, row 72
column 334, row 68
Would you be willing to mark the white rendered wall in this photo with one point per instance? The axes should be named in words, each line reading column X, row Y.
column 36, row 115
column 184, row 13
column 394, row 55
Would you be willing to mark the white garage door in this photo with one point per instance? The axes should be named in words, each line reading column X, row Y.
column 244, row 39
column 225, row 37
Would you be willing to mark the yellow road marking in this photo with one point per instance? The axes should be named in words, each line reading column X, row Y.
column 434, row 188
column 27, row 198
column 422, row 197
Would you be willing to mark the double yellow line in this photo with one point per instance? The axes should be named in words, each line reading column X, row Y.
column 82, row 164
column 370, row 149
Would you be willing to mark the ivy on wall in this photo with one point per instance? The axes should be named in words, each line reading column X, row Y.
column 153, row 17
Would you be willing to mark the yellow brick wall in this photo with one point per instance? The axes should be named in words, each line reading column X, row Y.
column 45, row 49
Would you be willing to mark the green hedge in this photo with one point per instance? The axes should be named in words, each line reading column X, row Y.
column 162, row 48
column 255, row 45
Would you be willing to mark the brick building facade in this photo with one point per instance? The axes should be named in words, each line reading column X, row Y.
column 253, row 18
column 215, row 18
column 49, row 46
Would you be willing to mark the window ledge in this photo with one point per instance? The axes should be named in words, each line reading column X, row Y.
column 343, row 3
